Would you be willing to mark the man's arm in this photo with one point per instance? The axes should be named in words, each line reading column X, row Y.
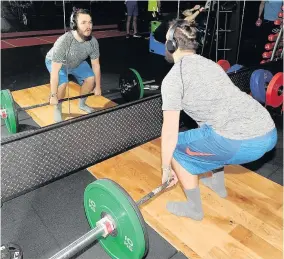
column 58, row 59
column 172, row 92
column 97, row 70
column 54, row 79
column 260, row 10
column 192, row 17
column 188, row 12
column 170, row 131
column 261, row 7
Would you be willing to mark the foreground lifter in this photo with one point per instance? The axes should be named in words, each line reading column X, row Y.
column 234, row 128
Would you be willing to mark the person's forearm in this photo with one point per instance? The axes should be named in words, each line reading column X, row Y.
column 54, row 78
column 261, row 7
column 192, row 17
column 169, row 141
column 97, row 71
column 192, row 9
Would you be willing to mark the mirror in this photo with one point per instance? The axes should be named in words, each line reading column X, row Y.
column 29, row 32
column 29, row 29
column 128, row 67
column 32, row 32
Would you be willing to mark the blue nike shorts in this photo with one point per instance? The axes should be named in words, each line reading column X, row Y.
column 81, row 72
column 202, row 150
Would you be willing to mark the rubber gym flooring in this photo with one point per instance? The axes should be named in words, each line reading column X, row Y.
column 51, row 217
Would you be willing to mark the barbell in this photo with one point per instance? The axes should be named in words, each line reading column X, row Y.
column 131, row 87
column 116, row 222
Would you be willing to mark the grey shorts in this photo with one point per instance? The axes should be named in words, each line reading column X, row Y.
column 132, row 8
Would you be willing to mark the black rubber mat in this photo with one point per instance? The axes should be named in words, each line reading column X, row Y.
column 47, row 219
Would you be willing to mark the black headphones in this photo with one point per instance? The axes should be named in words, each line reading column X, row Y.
column 171, row 43
column 73, row 18
column 73, row 22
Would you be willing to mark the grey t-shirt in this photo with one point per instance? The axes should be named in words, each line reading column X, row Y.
column 206, row 93
column 67, row 48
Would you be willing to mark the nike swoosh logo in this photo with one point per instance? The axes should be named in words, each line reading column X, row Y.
column 192, row 153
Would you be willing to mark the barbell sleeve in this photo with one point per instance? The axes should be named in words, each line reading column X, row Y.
column 79, row 244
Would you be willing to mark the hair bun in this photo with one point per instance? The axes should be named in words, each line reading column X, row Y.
column 75, row 9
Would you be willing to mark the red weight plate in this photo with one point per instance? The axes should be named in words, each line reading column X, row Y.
column 280, row 14
column 224, row 64
column 278, row 22
column 274, row 96
column 272, row 37
column 269, row 46
column 267, row 54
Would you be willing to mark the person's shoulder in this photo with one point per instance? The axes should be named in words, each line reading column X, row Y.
column 174, row 70
column 194, row 56
column 67, row 36
column 196, row 59
column 172, row 76
column 94, row 40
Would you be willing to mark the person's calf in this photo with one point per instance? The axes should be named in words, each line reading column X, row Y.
column 128, row 25
column 88, row 85
column 216, row 183
column 58, row 112
column 192, row 208
column 83, row 106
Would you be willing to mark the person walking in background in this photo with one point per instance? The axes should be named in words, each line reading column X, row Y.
column 132, row 11
column 269, row 11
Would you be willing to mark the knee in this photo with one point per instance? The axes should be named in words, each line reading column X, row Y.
column 62, row 86
column 90, row 80
column 61, row 91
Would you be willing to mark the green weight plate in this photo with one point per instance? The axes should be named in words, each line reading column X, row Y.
column 131, row 85
column 140, row 82
column 130, row 239
column 7, row 103
column 154, row 25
